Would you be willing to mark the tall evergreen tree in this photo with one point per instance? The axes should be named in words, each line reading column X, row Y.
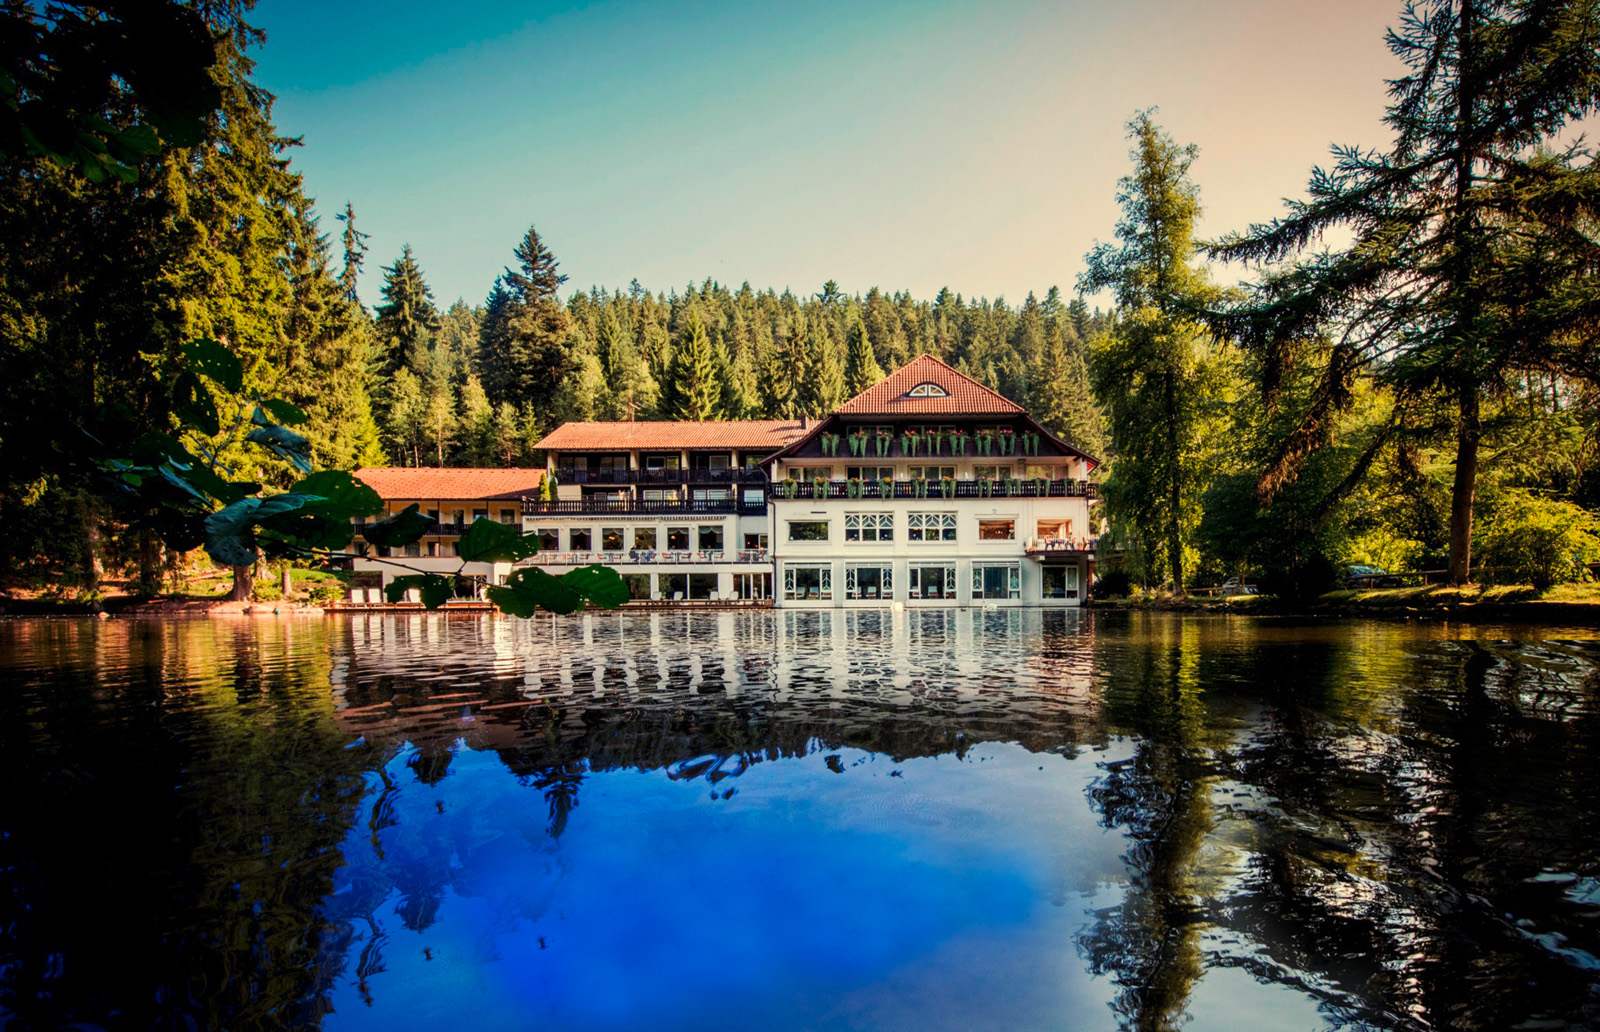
column 1060, row 395
column 406, row 319
column 693, row 391
column 1155, row 371
column 534, row 330
column 861, row 369
column 1430, row 293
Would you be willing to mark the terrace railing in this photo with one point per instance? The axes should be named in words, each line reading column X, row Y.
column 805, row 490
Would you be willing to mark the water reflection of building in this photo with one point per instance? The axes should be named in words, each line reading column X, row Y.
column 653, row 690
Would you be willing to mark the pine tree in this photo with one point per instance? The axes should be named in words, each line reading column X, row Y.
column 535, row 358
column 692, row 391
column 406, row 419
column 861, row 369
column 1060, row 397
column 1155, row 372
column 477, row 434
column 1429, row 291
column 821, row 387
column 406, row 320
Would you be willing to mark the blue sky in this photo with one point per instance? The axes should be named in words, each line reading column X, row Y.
column 902, row 145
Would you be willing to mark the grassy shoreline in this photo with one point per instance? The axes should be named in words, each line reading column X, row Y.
column 1565, row 603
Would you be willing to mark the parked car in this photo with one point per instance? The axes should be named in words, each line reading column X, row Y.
column 1362, row 576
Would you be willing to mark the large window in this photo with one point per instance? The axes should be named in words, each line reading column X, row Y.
column 711, row 539
column 673, row 586
column 659, row 495
column 1060, row 581
column 808, row 530
column 678, row 539
column 993, row 472
column 997, row 530
column 611, row 539
column 660, row 462
column 1055, row 529
column 996, row 580
column 644, row 539
column 702, row 586
column 931, row 526
column 933, row 582
column 931, row 472
column 581, row 538
column 810, row 472
column 814, row 583
column 549, row 539
column 868, row 583
column 638, row 584
column 869, row 472
column 869, row 526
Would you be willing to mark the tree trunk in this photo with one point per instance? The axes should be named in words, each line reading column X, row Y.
column 1464, row 490
column 149, row 563
column 1175, row 491
column 287, row 585
column 91, row 570
column 244, row 583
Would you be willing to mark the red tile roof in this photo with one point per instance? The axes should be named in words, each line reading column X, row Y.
column 423, row 483
column 766, row 435
column 963, row 394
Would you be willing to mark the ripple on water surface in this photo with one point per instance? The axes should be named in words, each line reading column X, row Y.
column 917, row 820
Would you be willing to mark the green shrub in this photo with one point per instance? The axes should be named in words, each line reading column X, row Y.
column 267, row 593
column 1541, row 541
column 327, row 592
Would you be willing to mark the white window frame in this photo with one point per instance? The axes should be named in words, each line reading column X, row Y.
column 878, row 524
column 1013, row 579
column 943, row 523
column 885, row 576
column 950, row 587
column 824, row 581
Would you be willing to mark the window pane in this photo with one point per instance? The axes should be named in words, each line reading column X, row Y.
column 808, row 530
column 710, row 539
column 678, row 539
column 611, row 539
column 644, row 538
column 996, row 530
column 580, row 539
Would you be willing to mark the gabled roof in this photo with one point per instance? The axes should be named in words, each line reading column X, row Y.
column 761, row 434
column 424, row 483
column 962, row 394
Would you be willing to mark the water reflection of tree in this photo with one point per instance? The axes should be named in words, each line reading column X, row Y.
column 1150, row 943
column 169, row 836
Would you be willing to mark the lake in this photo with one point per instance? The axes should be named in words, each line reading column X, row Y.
column 935, row 819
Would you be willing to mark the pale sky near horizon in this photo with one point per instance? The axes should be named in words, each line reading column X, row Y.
column 895, row 144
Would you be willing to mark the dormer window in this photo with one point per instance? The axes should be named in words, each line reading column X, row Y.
column 927, row 390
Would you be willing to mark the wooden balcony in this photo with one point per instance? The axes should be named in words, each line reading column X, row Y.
column 799, row 490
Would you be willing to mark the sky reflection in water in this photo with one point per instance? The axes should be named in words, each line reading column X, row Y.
column 925, row 820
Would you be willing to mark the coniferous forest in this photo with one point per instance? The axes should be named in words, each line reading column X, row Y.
column 1422, row 396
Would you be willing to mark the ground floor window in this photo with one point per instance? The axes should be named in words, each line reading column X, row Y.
column 752, row 585
column 933, row 581
column 1060, row 581
column 868, row 582
column 638, row 584
column 996, row 580
column 702, row 586
column 807, row 582
column 674, row 586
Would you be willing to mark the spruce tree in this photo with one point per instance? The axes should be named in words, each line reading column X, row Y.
column 861, row 369
column 692, row 390
column 1155, row 372
column 1432, row 294
column 406, row 319
column 535, row 358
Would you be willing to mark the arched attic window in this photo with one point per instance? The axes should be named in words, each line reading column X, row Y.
column 927, row 390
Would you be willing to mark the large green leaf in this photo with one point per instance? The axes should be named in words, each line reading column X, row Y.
column 230, row 533
column 284, row 443
column 191, row 401
column 341, row 493
column 436, row 589
column 601, row 585
column 402, row 528
column 215, row 362
column 284, row 412
column 489, row 541
column 529, row 590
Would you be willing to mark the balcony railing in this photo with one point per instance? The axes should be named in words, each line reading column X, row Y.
column 660, row 476
column 1041, row 547
column 803, row 490
column 599, row 506
column 640, row 556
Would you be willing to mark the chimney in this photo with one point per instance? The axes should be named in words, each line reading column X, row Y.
column 802, row 420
